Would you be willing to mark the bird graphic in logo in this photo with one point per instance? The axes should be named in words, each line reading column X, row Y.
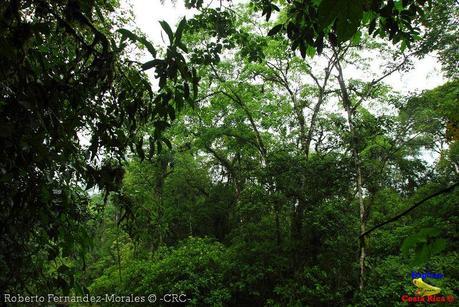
column 424, row 288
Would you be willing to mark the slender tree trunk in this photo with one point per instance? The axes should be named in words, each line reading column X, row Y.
column 163, row 163
column 358, row 168
column 312, row 126
column 191, row 226
column 298, row 108
column 118, row 256
column 362, row 224
column 278, row 234
column 306, row 135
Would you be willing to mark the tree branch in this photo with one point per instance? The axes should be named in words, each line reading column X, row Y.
column 393, row 219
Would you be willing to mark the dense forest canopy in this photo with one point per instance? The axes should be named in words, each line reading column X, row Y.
column 265, row 161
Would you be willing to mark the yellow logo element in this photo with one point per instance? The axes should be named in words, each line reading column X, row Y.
column 424, row 288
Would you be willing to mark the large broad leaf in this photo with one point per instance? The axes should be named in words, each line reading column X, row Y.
column 151, row 64
column 438, row 246
column 167, row 142
column 328, row 11
column 421, row 256
column 346, row 13
column 276, row 29
column 168, row 30
column 179, row 31
column 348, row 21
column 135, row 38
column 423, row 247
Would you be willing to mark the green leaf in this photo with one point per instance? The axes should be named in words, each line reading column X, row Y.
column 428, row 232
column 171, row 110
column 149, row 46
column 327, row 12
column 348, row 15
column 403, row 46
column 128, row 34
column 168, row 30
column 276, row 29
column 422, row 255
column 150, row 64
column 372, row 26
column 311, row 51
column 438, row 246
column 182, row 46
column 398, row 5
column 135, row 38
column 179, row 31
column 186, row 90
column 356, row 38
column 348, row 20
column 408, row 243
column 168, row 143
column 302, row 48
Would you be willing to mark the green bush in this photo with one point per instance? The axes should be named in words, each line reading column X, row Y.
column 196, row 267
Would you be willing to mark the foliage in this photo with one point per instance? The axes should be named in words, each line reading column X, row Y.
column 51, row 52
column 308, row 24
column 442, row 25
column 196, row 267
column 243, row 173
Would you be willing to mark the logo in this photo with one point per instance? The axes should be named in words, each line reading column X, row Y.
column 425, row 275
column 424, row 289
column 426, row 293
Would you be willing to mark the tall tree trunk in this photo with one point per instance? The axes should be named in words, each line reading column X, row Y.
column 306, row 135
column 358, row 169
column 278, row 233
column 362, row 224
column 162, row 166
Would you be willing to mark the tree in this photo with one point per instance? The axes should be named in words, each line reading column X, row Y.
column 51, row 53
column 285, row 180
column 440, row 35
column 309, row 24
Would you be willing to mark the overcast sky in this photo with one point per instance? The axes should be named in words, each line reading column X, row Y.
column 425, row 75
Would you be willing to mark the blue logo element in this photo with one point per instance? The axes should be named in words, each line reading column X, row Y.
column 425, row 275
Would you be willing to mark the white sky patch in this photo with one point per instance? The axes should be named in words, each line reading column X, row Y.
column 148, row 14
column 426, row 74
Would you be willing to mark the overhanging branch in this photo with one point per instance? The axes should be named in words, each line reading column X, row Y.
column 393, row 219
